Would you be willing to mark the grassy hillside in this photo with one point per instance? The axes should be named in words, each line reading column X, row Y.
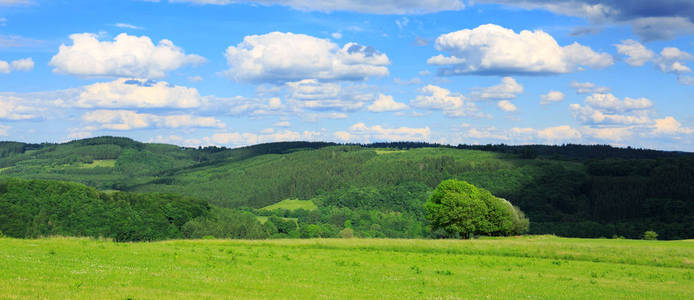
column 572, row 190
column 294, row 204
column 540, row 267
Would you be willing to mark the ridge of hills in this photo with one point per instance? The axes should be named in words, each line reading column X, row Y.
column 569, row 190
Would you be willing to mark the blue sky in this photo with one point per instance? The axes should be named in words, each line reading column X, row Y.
column 232, row 73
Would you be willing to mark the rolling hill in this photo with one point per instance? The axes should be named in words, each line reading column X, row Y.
column 570, row 190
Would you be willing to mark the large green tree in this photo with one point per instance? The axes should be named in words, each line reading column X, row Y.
column 461, row 209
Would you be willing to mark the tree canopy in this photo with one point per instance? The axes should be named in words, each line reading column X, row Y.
column 460, row 209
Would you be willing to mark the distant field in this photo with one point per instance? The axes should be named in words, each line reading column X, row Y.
column 540, row 267
column 295, row 204
column 105, row 163
column 263, row 219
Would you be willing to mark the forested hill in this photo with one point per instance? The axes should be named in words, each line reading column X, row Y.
column 571, row 190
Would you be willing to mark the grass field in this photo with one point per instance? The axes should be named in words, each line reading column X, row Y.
column 540, row 267
column 294, row 204
column 105, row 163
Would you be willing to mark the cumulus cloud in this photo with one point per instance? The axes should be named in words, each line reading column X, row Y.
column 651, row 20
column 637, row 54
column 604, row 109
column 15, row 108
column 588, row 88
column 493, row 50
column 507, row 89
column 279, row 57
column 669, row 126
column 361, row 6
column 24, row 64
column 437, row 98
column 129, row 120
column 552, row 97
column 386, row 103
column 315, row 95
column 360, row 132
column 611, row 103
column 506, row 106
column 671, row 60
column 615, row 134
column 139, row 93
column 125, row 56
column 557, row 134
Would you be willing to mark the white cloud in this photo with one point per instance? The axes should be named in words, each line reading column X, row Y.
column 336, row 35
column 361, row 6
column 493, row 50
column 588, row 88
column 606, row 109
column 139, row 93
column 315, row 117
column 486, row 133
column 591, row 115
column 360, row 132
column 126, row 56
column 4, row 130
column 128, row 120
column 441, row 60
column 283, row 124
column 671, row 60
column 279, row 57
column 559, row 133
column 507, row 89
column 637, row 54
column 314, row 95
column 609, row 102
column 437, row 98
column 386, row 103
column 564, row 133
column 242, row 139
column 506, row 106
column 669, row 126
column 14, row 108
column 552, row 97
column 24, row 64
column 127, row 26
column 616, row 134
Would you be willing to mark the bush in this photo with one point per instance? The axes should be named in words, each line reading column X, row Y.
column 650, row 235
column 347, row 233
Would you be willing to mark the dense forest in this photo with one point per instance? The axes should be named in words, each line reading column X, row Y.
column 373, row 190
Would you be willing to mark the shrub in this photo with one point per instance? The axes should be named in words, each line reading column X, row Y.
column 650, row 235
column 347, row 233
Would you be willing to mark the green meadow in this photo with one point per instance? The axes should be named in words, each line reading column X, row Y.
column 533, row 267
column 292, row 204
